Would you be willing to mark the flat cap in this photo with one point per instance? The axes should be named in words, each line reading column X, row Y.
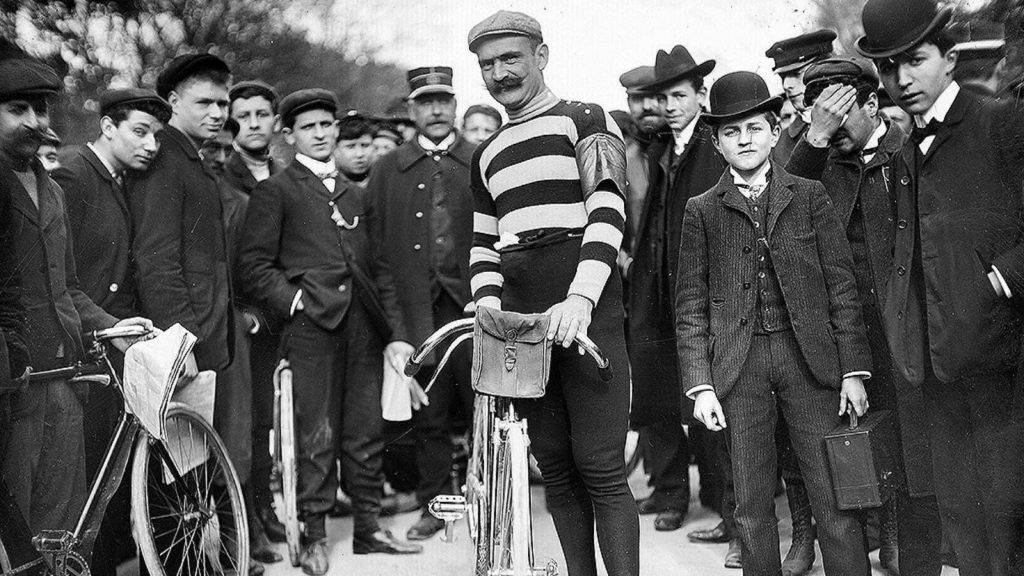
column 854, row 72
column 793, row 54
column 503, row 23
column 637, row 79
column 430, row 80
column 184, row 67
column 253, row 88
column 139, row 97
column 20, row 77
column 308, row 99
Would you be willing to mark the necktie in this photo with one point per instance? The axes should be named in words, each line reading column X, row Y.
column 753, row 192
column 920, row 133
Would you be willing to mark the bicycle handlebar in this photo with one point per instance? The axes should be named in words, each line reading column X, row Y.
column 88, row 368
column 133, row 331
column 604, row 366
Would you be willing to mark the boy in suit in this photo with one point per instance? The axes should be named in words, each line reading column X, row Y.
column 768, row 321
column 308, row 255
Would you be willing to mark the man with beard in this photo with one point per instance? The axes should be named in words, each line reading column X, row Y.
column 649, row 120
column 952, row 303
column 93, row 178
column 422, row 193
column 792, row 56
column 848, row 147
column 43, row 452
column 548, row 188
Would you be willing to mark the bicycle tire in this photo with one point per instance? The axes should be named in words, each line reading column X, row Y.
column 478, row 517
column 284, row 435
column 216, row 485
column 5, row 559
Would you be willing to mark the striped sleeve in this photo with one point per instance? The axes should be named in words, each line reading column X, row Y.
column 484, row 261
column 600, row 156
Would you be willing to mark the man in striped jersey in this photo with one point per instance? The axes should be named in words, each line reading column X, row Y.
column 548, row 194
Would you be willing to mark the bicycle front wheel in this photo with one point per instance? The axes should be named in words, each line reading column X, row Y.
column 477, row 484
column 195, row 524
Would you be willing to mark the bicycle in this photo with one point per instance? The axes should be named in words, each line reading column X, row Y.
column 285, row 467
column 190, row 522
column 496, row 496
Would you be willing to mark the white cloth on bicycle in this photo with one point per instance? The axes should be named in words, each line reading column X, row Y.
column 187, row 450
column 151, row 371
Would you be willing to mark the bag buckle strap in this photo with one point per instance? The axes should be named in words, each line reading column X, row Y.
column 510, row 349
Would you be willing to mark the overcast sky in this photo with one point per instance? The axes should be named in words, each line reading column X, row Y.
column 591, row 41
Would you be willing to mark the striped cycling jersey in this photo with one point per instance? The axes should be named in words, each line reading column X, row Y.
column 527, row 178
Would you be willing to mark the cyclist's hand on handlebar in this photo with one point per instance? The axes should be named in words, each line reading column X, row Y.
column 568, row 318
column 469, row 310
column 122, row 344
column 398, row 353
column 708, row 410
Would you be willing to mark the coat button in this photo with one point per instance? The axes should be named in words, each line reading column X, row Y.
column 439, row 240
column 743, row 321
column 901, row 270
column 760, row 274
column 437, row 158
column 342, row 288
column 114, row 287
column 905, row 180
column 421, row 185
column 416, row 246
column 746, row 285
column 746, row 249
column 757, row 224
column 419, row 214
column 901, row 224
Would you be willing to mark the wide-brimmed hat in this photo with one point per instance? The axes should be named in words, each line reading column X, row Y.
column 738, row 95
column 670, row 67
column 895, row 26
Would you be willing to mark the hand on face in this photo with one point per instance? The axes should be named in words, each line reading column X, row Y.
column 829, row 113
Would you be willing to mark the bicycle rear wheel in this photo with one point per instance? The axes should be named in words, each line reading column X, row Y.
column 195, row 525
column 478, row 512
column 284, row 457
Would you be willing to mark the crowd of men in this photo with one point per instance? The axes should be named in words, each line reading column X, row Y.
column 764, row 264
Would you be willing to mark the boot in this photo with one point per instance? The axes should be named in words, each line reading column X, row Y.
column 888, row 551
column 801, row 552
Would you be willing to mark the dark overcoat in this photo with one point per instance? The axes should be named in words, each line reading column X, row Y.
column 863, row 196
column 238, row 175
column 291, row 242
column 968, row 206
column 651, row 278
column 101, row 229
column 716, row 289
column 179, row 249
column 411, row 190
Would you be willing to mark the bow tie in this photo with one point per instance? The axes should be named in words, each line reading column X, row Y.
column 920, row 133
column 326, row 175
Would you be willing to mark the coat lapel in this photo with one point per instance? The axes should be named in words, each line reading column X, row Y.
column 780, row 194
column 112, row 186
column 20, row 199
column 948, row 126
column 731, row 196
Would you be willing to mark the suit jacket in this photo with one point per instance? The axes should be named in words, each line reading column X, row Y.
column 13, row 349
column 715, row 295
column 57, row 311
column 788, row 140
column 967, row 210
column 867, row 192
column 180, row 253
column 291, row 242
column 652, row 275
column 237, row 174
column 101, row 229
column 407, row 187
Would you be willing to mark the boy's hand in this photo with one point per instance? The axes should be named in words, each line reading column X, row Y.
column 829, row 113
column 853, row 393
column 708, row 410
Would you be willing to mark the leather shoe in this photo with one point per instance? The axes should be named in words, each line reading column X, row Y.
column 260, row 549
column 256, row 569
column 716, row 535
column 648, row 505
column 424, row 528
column 669, row 520
column 399, row 503
column 273, row 527
column 383, row 542
column 313, row 558
column 734, row 557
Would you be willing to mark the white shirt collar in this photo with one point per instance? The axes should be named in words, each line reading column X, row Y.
column 429, row 146
column 103, row 161
column 683, row 137
column 760, row 178
column 940, row 107
column 316, row 166
column 876, row 136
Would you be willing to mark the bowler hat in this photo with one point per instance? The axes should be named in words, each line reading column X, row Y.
column 738, row 95
column 504, row 23
column 135, row 97
column 307, row 99
column 895, row 26
column 20, row 77
column 430, row 80
column 184, row 67
column 841, row 70
column 670, row 67
column 795, row 53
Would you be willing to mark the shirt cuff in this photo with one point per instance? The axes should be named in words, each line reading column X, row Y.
column 692, row 392
column 864, row 374
column 295, row 302
column 255, row 324
column 1002, row 282
column 490, row 302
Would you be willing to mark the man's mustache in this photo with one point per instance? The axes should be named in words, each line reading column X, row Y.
column 507, row 84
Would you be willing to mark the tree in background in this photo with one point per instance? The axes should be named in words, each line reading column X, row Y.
column 98, row 45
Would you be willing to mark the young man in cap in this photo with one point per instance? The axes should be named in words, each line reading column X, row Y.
column 93, row 178
column 565, row 242
column 253, row 105
column 768, row 322
column 354, row 155
column 309, row 255
column 683, row 163
column 43, row 452
column 849, row 147
column 791, row 57
column 951, row 307
column 421, row 192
